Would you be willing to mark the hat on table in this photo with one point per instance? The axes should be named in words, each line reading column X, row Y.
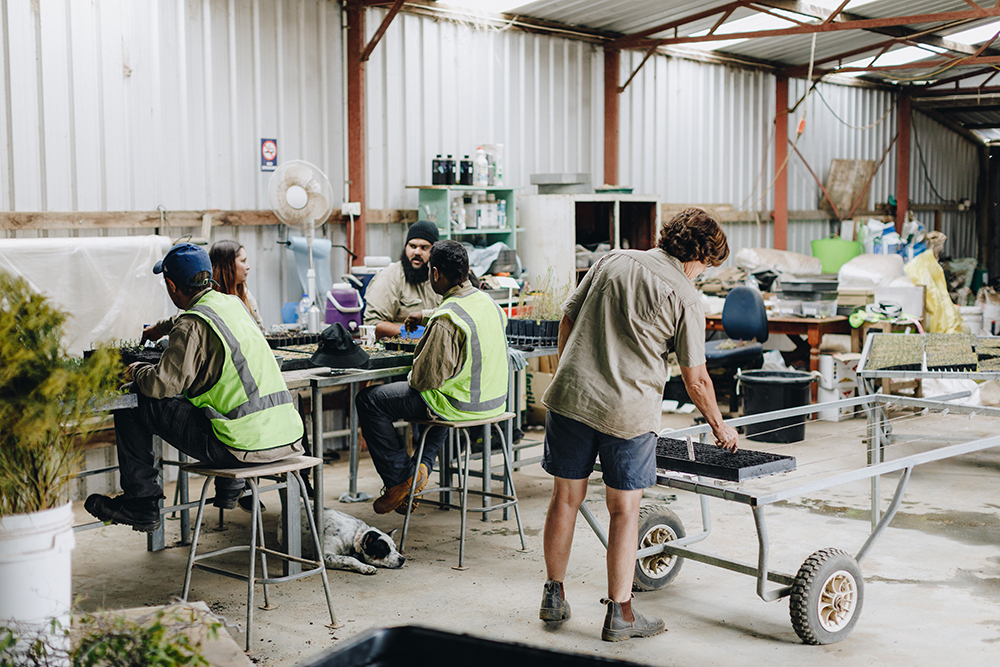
column 183, row 263
column 338, row 350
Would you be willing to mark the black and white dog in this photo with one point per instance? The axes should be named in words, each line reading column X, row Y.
column 351, row 544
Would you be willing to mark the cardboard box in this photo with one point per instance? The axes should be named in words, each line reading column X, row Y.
column 536, row 382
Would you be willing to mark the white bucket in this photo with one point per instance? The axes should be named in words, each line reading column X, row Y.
column 973, row 318
column 35, row 568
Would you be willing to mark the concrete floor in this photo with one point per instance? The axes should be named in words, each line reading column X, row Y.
column 932, row 583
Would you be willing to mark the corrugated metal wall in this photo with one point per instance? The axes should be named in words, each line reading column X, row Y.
column 118, row 105
column 948, row 171
column 440, row 87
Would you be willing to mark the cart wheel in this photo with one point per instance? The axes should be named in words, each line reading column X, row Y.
column 657, row 524
column 826, row 597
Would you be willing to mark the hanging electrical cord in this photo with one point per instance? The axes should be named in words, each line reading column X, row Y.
column 923, row 164
column 856, row 127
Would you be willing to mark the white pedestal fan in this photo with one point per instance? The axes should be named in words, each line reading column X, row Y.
column 301, row 197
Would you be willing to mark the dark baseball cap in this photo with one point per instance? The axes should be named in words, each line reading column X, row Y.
column 183, row 263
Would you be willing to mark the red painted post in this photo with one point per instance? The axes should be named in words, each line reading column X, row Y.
column 611, row 64
column 356, row 165
column 781, row 164
column 902, row 161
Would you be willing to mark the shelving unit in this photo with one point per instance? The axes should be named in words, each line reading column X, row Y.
column 555, row 223
column 434, row 204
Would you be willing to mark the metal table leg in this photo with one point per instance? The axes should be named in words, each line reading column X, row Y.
column 317, row 439
column 155, row 541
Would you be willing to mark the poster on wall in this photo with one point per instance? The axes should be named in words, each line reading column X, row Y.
column 268, row 154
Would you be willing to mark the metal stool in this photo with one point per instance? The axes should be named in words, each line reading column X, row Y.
column 509, row 500
column 276, row 469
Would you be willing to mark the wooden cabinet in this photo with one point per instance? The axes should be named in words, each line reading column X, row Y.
column 555, row 224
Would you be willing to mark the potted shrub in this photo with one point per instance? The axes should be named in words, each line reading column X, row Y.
column 48, row 407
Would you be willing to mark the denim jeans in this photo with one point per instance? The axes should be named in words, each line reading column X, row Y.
column 181, row 424
column 378, row 407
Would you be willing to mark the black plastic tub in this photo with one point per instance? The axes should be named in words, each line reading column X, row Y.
column 410, row 645
column 767, row 391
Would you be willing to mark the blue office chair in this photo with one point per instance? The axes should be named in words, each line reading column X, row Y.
column 744, row 319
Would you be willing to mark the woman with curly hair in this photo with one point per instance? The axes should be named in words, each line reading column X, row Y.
column 229, row 270
column 631, row 310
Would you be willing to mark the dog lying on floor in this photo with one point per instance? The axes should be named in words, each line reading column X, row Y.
column 351, row 544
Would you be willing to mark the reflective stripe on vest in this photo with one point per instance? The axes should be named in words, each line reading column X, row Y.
column 241, row 417
column 481, row 376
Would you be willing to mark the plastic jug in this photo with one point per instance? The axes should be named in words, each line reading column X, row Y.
column 344, row 305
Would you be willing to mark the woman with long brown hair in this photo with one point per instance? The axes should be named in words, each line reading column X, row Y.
column 230, row 268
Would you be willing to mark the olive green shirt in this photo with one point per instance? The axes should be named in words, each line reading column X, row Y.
column 389, row 298
column 630, row 311
column 440, row 354
column 193, row 363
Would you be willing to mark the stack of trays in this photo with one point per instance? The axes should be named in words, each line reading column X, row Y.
column 951, row 352
column 816, row 295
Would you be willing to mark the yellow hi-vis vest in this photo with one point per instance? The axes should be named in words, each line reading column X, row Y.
column 250, row 407
column 479, row 390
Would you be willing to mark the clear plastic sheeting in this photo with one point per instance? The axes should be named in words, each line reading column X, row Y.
column 106, row 285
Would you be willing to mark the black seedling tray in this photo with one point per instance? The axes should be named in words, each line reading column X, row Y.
column 533, row 333
column 287, row 340
column 715, row 462
column 398, row 345
column 410, row 646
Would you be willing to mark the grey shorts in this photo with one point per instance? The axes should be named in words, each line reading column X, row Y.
column 572, row 448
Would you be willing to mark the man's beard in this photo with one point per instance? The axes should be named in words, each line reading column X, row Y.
column 412, row 275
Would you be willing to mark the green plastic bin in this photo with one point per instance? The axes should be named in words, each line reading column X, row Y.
column 834, row 252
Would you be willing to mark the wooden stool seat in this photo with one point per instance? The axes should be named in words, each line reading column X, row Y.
column 276, row 469
column 508, row 499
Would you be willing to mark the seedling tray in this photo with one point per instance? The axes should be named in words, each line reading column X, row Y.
column 717, row 463
column 298, row 357
column 289, row 340
column 399, row 344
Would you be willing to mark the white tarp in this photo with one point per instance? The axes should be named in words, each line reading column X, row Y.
column 105, row 285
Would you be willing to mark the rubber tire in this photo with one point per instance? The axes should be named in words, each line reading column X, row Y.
column 657, row 522
column 817, row 573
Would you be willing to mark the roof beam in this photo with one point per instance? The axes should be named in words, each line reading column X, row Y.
column 899, row 32
column 833, row 26
column 983, row 126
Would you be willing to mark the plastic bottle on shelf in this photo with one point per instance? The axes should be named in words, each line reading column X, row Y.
column 303, row 310
column 502, row 214
column 457, row 214
column 449, row 170
column 469, row 204
column 437, row 170
column 481, row 168
column 498, row 165
column 465, row 171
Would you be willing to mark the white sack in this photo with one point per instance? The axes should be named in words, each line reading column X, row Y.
column 105, row 285
column 780, row 261
column 865, row 271
column 940, row 387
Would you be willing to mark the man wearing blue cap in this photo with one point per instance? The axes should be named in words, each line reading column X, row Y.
column 216, row 394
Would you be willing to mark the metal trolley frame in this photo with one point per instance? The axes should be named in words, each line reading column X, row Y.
column 827, row 591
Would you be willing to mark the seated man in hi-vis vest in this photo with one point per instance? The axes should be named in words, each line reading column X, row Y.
column 216, row 394
column 459, row 374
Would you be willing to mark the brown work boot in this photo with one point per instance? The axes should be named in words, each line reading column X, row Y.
column 617, row 629
column 397, row 495
column 555, row 606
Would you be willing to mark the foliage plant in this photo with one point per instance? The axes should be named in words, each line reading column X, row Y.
column 163, row 638
column 47, row 400
column 545, row 300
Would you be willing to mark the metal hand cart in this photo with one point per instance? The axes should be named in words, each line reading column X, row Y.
column 827, row 592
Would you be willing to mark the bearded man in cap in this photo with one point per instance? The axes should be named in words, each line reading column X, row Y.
column 403, row 290
column 216, row 394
